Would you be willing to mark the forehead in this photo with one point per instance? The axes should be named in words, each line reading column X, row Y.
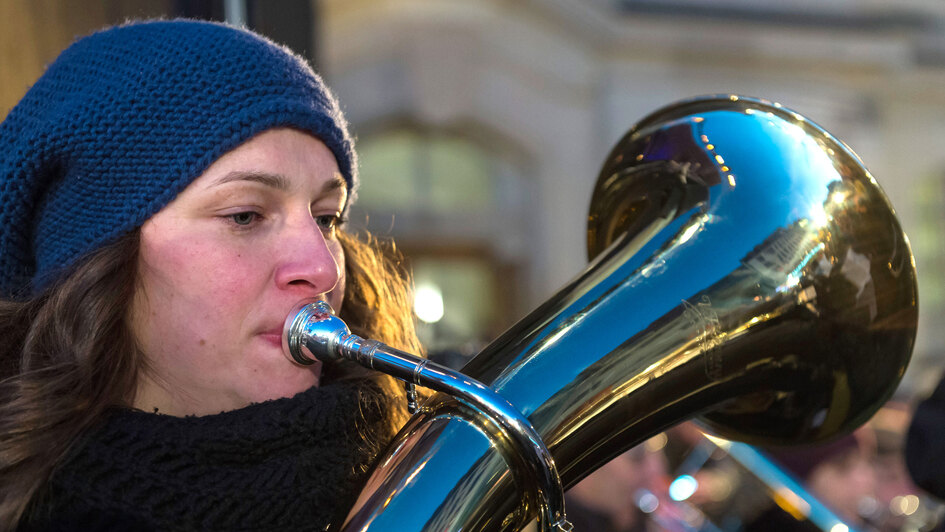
column 285, row 159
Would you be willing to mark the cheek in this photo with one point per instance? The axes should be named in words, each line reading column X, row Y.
column 164, row 300
column 187, row 281
column 174, row 273
column 199, row 262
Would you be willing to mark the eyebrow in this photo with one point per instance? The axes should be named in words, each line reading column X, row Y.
column 277, row 181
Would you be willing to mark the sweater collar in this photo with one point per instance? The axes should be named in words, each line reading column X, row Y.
column 287, row 464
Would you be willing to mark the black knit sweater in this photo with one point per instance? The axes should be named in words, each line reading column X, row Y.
column 288, row 464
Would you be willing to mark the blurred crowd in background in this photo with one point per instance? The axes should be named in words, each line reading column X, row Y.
column 682, row 480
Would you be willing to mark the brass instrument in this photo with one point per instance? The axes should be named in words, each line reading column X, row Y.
column 746, row 270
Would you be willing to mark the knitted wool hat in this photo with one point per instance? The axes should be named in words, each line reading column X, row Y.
column 125, row 118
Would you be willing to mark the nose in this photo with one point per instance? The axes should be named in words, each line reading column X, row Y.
column 309, row 262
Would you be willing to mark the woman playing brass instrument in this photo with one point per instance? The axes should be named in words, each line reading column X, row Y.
column 169, row 190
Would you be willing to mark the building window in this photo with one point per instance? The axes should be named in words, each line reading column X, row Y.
column 407, row 170
column 455, row 208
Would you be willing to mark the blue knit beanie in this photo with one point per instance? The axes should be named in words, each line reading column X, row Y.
column 124, row 119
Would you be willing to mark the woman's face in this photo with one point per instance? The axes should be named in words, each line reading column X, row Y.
column 222, row 265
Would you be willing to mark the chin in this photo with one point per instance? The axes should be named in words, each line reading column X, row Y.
column 288, row 383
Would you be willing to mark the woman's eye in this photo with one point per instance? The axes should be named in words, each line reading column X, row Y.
column 244, row 218
column 328, row 222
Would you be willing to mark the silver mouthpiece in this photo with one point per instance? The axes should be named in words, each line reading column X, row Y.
column 313, row 332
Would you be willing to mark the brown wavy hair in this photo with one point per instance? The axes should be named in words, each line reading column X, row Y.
column 69, row 354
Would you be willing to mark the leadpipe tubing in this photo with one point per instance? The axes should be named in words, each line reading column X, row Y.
column 312, row 332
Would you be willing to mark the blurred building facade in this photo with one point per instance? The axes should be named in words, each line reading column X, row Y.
column 482, row 124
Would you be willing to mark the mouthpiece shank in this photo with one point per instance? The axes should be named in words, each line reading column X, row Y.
column 312, row 332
